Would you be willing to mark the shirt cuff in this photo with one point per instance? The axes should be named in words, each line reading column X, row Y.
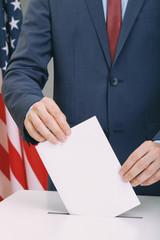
column 157, row 141
column 29, row 110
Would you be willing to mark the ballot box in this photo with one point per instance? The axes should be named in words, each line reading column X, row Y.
column 42, row 215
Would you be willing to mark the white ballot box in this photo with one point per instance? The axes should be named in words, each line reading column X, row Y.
column 42, row 215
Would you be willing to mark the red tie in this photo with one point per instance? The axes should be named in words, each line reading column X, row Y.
column 114, row 22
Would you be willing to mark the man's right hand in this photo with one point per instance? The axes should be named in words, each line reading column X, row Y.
column 45, row 121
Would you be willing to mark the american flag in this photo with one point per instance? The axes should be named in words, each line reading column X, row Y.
column 20, row 165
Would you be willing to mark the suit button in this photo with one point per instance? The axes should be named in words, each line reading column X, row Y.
column 114, row 81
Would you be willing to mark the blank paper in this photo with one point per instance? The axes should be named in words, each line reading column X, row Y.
column 85, row 170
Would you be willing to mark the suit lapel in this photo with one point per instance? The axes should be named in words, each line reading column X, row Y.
column 132, row 11
column 95, row 8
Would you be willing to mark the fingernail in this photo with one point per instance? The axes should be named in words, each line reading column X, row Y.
column 54, row 141
column 62, row 139
column 121, row 172
column 68, row 132
column 125, row 180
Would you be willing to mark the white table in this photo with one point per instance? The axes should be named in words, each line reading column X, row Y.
column 24, row 215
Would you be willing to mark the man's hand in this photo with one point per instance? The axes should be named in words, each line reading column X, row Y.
column 143, row 165
column 45, row 121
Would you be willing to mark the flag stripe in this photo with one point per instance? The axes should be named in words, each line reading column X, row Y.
column 17, row 165
column 3, row 133
column 15, row 185
column 4, row 162
column 13, row 132
column 36, row 164
column 5, row 186
column 32, row 180
column 2, row 110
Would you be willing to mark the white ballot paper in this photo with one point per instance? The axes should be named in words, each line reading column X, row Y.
column 85, row 169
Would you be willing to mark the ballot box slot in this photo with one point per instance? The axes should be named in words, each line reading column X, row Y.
column 58, row 213
column 62, row 213
column 129, row 217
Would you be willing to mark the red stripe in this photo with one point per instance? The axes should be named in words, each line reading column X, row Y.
column 4, row 162
column 2, row 109
column 36, row 164
column 1, row 199
column 17, row 166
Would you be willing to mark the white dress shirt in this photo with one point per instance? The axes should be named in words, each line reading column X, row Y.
column 124, row 6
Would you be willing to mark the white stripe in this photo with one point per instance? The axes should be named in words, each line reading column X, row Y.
column 3, row 135
column 0, row 79
column 32, row 181
column 15, row 185
column 13, row 133
column 5, row 186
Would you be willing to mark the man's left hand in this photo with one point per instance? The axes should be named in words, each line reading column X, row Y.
column 143, row 165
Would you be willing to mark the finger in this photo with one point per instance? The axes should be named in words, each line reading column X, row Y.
column 33, row 132
column 146, row 174
column 61, row 120
column 155, row 178
column 138, row 167
column 50, row 122
column 134, row 157
column 57, row 114
column 42, row 129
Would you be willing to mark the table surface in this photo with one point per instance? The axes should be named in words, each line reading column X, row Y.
column 26, row 215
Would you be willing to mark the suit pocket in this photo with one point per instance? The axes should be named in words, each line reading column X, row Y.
column 152, row 129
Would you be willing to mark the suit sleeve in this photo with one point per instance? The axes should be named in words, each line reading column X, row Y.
column 27, row 70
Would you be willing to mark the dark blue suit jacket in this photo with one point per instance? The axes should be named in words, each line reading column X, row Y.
column 125, row 96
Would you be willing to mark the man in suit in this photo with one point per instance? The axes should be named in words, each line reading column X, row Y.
column 106, row 63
